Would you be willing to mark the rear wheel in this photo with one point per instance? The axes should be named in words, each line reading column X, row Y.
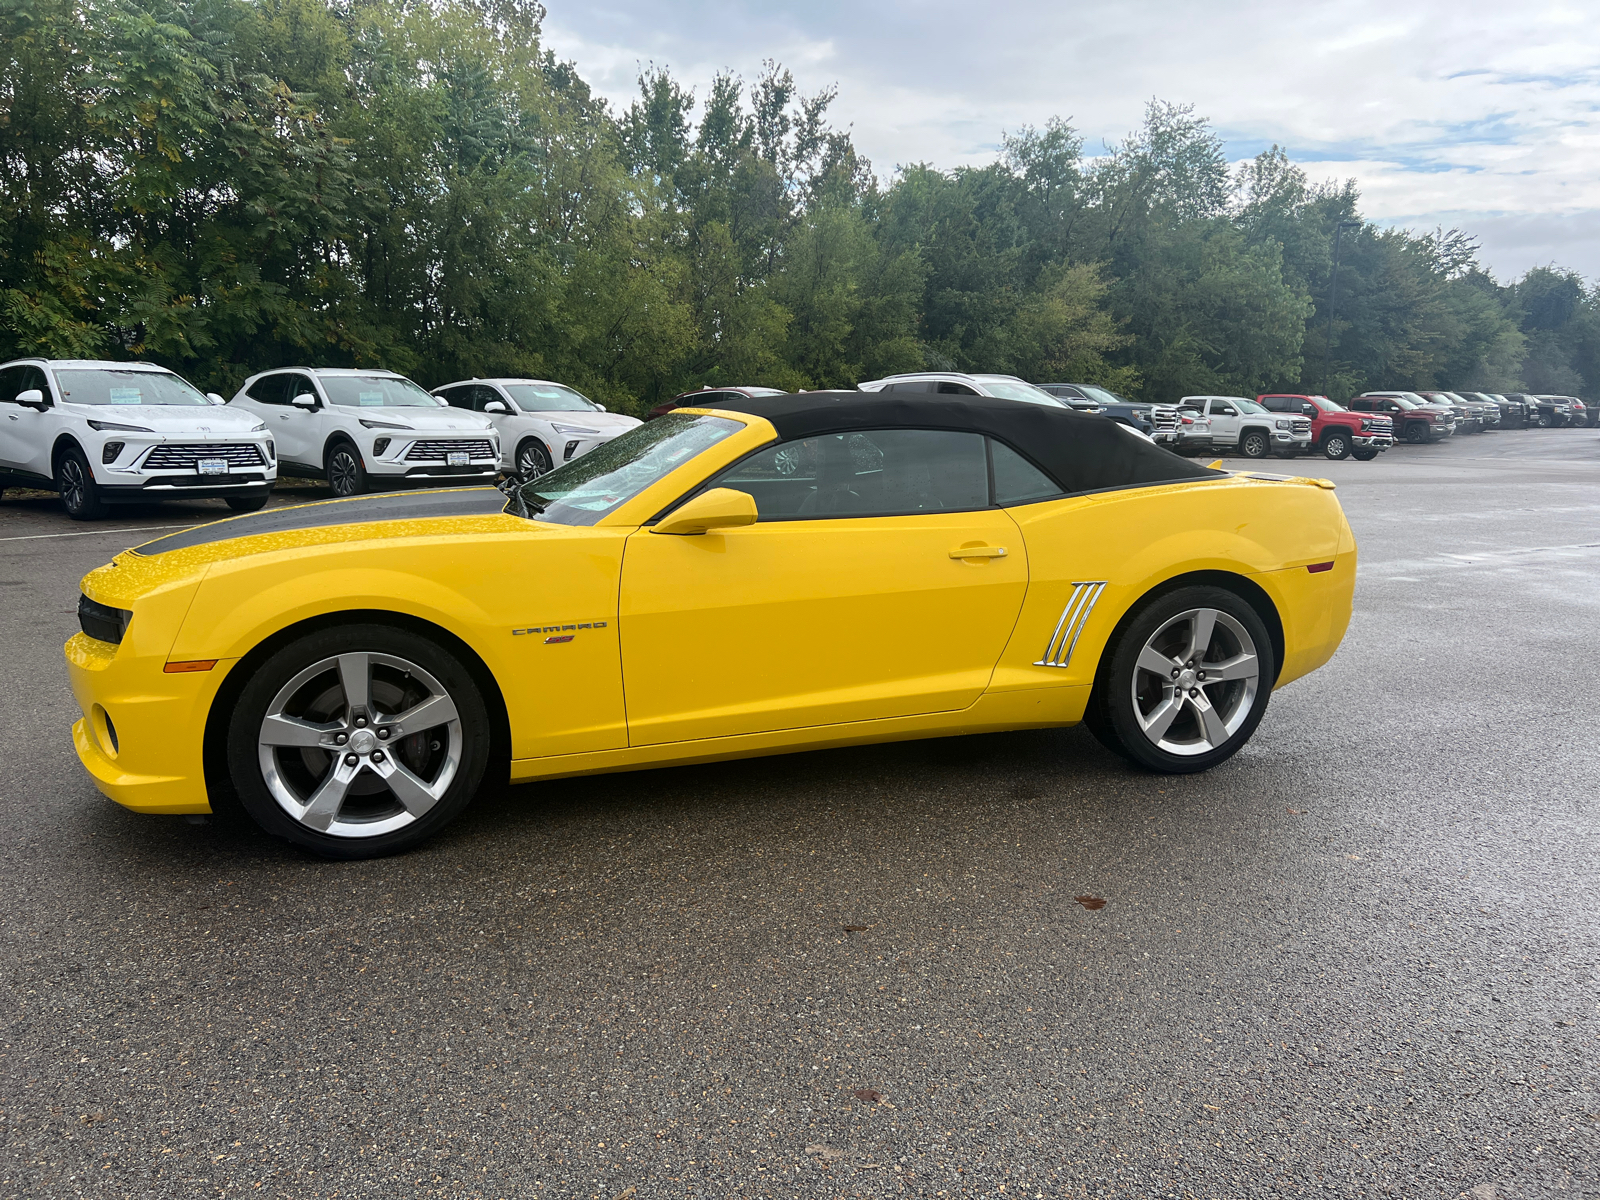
column 346, row 475
column 1364, row 455
column 1336, row 445
column 80, row 495
column 1254, row 443
column 1186, row 682
column 358, row 741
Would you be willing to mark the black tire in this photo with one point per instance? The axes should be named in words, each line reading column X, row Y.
column 1417, row 433
column 1254, row 443
column 246, row 504
column 346, row 474
column 533, row 459
column 80, row 495
column 401, row 669
column 1546, row 421
column 1336, row 445
column 1364, row 455
column 1113, row 715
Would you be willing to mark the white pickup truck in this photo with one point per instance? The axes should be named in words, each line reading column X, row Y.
column 1248, row 428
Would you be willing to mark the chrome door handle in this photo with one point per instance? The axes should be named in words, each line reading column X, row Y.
column 978, row 552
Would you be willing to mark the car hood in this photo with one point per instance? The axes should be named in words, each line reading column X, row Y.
column 427, row 420
column 185, row 556
column 216, row 420
column 601, row 421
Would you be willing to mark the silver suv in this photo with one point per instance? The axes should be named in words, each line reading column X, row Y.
column 954, row 383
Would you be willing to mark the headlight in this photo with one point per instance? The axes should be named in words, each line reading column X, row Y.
column 1285, row 424
column 578, row 429
column 113, row 427
column 366, row 424
column 259, row 427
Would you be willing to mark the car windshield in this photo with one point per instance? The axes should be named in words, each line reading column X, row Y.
column 1099, row 393
column 549, row 397
column 584, row 490
column 376, row 391
column 1250, row 406
column 1007, row 388
column 1327, row 405
column 103, row 386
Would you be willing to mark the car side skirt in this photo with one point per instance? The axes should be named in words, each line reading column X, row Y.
column 993, row 712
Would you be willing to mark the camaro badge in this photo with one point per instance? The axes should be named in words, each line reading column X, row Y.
column 564, row 633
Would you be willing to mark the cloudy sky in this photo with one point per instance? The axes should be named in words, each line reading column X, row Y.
column 1477, row 113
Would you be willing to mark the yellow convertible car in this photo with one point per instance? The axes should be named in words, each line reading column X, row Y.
column 779, row 573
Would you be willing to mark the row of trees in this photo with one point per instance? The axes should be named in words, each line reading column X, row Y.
column 226, row 185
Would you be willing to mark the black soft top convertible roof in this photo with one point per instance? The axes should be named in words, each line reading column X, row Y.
column 1083, row 452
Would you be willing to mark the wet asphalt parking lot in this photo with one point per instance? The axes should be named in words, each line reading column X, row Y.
column 1360, row 959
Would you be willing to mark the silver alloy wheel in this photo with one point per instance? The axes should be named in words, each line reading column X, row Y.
column 1195, row 682
column 74, row 488
column 360, row 744
column 532, row 461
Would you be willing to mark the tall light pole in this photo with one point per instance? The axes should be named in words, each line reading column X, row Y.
column 1333, row 298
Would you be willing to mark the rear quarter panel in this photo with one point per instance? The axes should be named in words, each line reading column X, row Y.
column 1138, row 539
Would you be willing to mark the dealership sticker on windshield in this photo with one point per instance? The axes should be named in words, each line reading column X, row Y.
column 125, row 396
column 368, row 399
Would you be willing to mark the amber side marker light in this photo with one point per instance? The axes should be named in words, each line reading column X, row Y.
column 1314, row 568
column 198, row 664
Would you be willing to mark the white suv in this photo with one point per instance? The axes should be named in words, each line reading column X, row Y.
column 102, row 432
column 1241, row 424
column 955, row 383
column 356, row 428
column 540, row 423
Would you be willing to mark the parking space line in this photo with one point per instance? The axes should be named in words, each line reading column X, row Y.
column 34, row 537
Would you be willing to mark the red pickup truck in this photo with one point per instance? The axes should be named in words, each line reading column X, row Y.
column 1336, row 431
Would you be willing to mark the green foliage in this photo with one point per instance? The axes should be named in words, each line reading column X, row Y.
column 227, row 185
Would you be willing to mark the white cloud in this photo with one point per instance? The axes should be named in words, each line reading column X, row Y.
column 1471, row 113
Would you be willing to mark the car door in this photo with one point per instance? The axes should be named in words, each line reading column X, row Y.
column 878, row 582
column 27, row 436
column 297, row 431
column 1225, row 421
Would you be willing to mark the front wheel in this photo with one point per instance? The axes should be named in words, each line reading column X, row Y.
column 1417, row 434
column 346, row 475
column 1186, row 681
column 246, row 504
column 1336, row 446
column 1255, row 444
column 80, row 494
column 533, row 460
column 1545, row 420
column 358, row 741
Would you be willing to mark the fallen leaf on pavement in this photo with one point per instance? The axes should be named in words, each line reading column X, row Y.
column 854, row 928
column 1090, row 902
column 871, row 1095
column 625, row 1193
column 824, row 1153
column 1295, row 812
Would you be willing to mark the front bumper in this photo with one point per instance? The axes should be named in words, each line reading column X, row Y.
column 187, row 487
column 1373, row 441
column 153, row 761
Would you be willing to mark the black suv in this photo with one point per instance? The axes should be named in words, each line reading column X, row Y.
column 1118, row 408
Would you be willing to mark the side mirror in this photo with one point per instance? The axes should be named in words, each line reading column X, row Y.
column 32, row 398
column 719, row 508
column 304, row 400
column 214, row 398
column 601, row 407
column 496, row 406
column 1310, row 410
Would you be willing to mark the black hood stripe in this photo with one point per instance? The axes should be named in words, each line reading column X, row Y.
column 390, row 506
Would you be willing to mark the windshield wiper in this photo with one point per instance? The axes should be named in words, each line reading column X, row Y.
column 512, row 487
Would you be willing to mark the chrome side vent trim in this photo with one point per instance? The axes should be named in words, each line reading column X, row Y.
column 1073, row 618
